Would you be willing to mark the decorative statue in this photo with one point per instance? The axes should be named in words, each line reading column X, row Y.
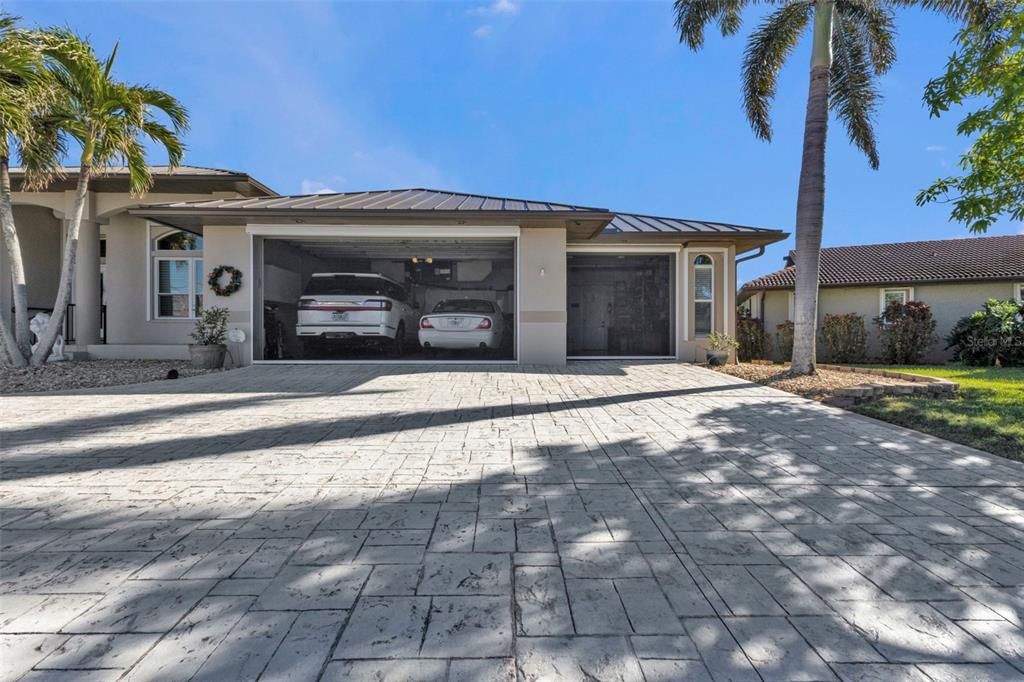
column 37, row 325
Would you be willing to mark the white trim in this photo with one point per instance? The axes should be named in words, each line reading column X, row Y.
column 628, row 249
column 909, row 291
column 384, row 231
column 1019, row 292
column 791, row 310
column 710, row 301
column 687, row 263
column 156, row 293
column 257, row 288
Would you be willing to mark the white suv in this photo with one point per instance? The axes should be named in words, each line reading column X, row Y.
column 355, row 307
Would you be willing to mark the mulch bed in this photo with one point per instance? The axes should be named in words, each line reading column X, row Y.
column 63, row 376
column 821, row 387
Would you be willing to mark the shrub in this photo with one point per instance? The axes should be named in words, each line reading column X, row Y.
column 752, row 338
column 907, row 332
column 784, row 340
column 211, row 327
column 845, row 337
column 993, row 335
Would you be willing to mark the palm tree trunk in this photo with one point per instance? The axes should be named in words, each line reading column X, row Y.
column 67, row 272
column 810, row 206
column 20, row 351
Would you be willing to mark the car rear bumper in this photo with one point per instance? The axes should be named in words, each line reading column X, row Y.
column 461, row 339
column 342, row 331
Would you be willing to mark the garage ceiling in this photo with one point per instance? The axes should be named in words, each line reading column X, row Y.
column 403, row 249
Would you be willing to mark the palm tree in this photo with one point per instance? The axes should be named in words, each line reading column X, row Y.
column 851, row 45
column 107, row 120
column 25, row 91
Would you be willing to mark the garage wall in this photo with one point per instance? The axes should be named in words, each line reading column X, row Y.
column 542, row 297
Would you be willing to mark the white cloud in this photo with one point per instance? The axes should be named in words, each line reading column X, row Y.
column 496, row 7
column 484, row 31
column 935, row 148
column 316, row 187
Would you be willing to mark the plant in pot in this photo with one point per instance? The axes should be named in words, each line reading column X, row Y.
column 211, row 328
column 719, row 347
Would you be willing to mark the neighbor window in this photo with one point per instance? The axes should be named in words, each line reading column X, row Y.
column 703, row 295
column 894, row 295
column 1020, row 292
column 178, row 278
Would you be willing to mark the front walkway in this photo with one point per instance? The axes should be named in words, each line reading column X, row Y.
column 605, row 522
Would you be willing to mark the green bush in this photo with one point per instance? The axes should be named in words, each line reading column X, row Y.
column 991, row 336
column 753, row 340
column 845, row 337
column 907, row 332
column 211, row 326
column 784, row 340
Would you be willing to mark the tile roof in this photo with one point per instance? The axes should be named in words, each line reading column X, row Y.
column 973, row 258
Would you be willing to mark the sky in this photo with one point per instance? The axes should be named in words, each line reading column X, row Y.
column 592, row 103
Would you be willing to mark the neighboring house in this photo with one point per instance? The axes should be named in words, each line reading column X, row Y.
column 570, row 281
column 954, row 276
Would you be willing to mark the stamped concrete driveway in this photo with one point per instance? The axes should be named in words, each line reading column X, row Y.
column 601, row 522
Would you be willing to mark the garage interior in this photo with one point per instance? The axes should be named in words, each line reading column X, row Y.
column 620, row 305
column 431, row 271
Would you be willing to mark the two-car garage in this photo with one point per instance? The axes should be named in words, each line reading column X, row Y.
column 372, row 299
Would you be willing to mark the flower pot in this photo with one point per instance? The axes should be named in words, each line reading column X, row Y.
column 717, row 357
column 207, row 357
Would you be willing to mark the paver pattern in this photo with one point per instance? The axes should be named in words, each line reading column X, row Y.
column 605, row 521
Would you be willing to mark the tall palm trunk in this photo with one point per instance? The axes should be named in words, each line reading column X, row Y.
column 810, row 207
column 21, row 349
column 67, row 272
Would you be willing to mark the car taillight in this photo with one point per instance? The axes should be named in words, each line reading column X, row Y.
column 426, row 324
column 377, row 304
column 484, row 324
column 308, row 303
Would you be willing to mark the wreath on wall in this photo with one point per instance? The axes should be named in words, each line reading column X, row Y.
column 233, row 285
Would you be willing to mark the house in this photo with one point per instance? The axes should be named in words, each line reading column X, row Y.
column 568, row 281
column 954, row 276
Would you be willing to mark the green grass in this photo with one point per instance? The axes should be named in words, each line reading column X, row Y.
column 988, row 415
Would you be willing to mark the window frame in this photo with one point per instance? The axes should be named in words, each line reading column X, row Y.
column 908, row 295
column 710, row 267
column 196, row 282
column 1018, row 291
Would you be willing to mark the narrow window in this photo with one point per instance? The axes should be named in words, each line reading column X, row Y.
column 703, row 295
column 1020, row 292
column 178, row 278
column 894, row 296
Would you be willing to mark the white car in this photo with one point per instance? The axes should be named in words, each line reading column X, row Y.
column 462, row 324
column 355, row 307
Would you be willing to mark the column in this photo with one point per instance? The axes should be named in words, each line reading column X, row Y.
column 86, row 291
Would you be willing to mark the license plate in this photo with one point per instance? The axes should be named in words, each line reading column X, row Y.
column 338, row 315
column 455, row 322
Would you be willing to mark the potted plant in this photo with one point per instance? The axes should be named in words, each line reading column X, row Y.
column 719, row 346
column 208, row 350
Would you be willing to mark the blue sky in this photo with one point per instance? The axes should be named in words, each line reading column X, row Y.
column 593, row 103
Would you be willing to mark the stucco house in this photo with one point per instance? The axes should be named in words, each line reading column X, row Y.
column 568, row 281
column 954, row 276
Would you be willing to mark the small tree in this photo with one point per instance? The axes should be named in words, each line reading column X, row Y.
column 784, row 340
column 211, row 327
column 993, row 335
column 754, row 342
column 907, row 332
column 845, row 337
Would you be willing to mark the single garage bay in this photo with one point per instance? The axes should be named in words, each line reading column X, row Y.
column 337, row 299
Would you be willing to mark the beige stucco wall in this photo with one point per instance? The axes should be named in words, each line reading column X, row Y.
column 691, row 347
column 949, row 303
column 39, row 233
column 542, row 296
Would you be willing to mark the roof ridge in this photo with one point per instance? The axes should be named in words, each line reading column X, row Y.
column 400, row 190
column 926, row 241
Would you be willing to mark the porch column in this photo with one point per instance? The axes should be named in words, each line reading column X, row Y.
column 86, row 294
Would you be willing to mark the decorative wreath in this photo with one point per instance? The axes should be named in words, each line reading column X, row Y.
column 234, row 284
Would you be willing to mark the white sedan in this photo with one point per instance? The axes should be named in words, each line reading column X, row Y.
column 462, row 324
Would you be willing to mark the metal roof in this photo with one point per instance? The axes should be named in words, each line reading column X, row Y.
column 944, row 260
column 626, row 223
column 419, row 200
column 112, row 178
column 387, row 200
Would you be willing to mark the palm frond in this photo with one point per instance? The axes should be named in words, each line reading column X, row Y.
column 766, row 52
column 693, row 17
column 973, row 12
column 878, row 26
column 853, row 94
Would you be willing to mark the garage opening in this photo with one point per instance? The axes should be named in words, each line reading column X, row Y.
column 621, row 305
column 387, row 299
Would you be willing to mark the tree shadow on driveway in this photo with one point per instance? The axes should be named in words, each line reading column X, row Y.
column 674, row 533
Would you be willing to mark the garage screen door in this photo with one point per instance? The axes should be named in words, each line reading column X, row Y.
column 620, row 305
column 388, row 299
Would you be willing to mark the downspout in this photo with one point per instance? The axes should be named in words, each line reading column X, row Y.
column 760, row 252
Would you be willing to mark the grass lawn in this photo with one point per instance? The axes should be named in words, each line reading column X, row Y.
column 989, row 414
